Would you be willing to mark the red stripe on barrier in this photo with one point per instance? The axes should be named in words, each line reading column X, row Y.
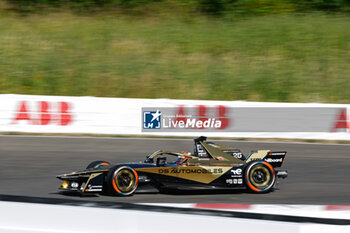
column 337, row 207
column 222, row 206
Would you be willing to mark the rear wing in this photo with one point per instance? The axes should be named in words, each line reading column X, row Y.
column 209, row 150
column 275, row 158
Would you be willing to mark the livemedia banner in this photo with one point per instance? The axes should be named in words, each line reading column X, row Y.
column 240, row 119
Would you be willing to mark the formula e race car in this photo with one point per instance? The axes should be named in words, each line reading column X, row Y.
column 211, row 166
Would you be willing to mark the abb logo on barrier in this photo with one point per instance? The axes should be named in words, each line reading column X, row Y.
column 342, row 121
column 44, row 113
column 202, row 112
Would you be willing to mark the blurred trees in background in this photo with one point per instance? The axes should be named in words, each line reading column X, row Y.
column 256, row 50
column 216, row 7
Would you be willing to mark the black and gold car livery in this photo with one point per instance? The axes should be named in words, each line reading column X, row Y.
column 211, row 166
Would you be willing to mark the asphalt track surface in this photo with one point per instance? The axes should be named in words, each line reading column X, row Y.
column 318, row 173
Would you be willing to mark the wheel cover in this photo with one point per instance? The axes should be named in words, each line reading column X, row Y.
column 260, row 176
column 125, row 180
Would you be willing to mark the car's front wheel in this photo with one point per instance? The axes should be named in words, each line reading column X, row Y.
column 259, row 176
column 122, row 180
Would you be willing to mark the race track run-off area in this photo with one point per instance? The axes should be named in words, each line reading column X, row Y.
column 29, row 164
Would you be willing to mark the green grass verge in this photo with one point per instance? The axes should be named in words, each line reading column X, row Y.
column 282, row 57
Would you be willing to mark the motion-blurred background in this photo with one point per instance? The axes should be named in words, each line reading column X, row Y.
column 188, row 52
column 257, row 50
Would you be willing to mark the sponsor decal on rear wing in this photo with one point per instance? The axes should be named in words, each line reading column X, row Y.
column 275, row 158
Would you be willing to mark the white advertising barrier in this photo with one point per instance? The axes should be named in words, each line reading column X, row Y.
column 121, row 116
column 45, row 218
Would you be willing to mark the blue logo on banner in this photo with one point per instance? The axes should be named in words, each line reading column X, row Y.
column 152, row 119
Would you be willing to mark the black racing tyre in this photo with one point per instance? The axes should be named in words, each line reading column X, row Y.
column 97, row 164
column 122, row 180
column 259, row 177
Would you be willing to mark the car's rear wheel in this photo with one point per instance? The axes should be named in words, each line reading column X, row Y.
column 122, row 180
column 97, row 164
column 259, row 177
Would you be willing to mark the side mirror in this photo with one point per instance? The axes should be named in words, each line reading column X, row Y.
column 161, row 161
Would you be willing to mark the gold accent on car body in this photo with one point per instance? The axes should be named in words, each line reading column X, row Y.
column 158, row 153
column 211, row 162
column 202, row 174
column 203, row 170
column 259, row 155
column 93, row 175
column 83, row 173
column 221, row 147
column 220, row 155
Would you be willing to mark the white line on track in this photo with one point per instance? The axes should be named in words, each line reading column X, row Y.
column 169, row 139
